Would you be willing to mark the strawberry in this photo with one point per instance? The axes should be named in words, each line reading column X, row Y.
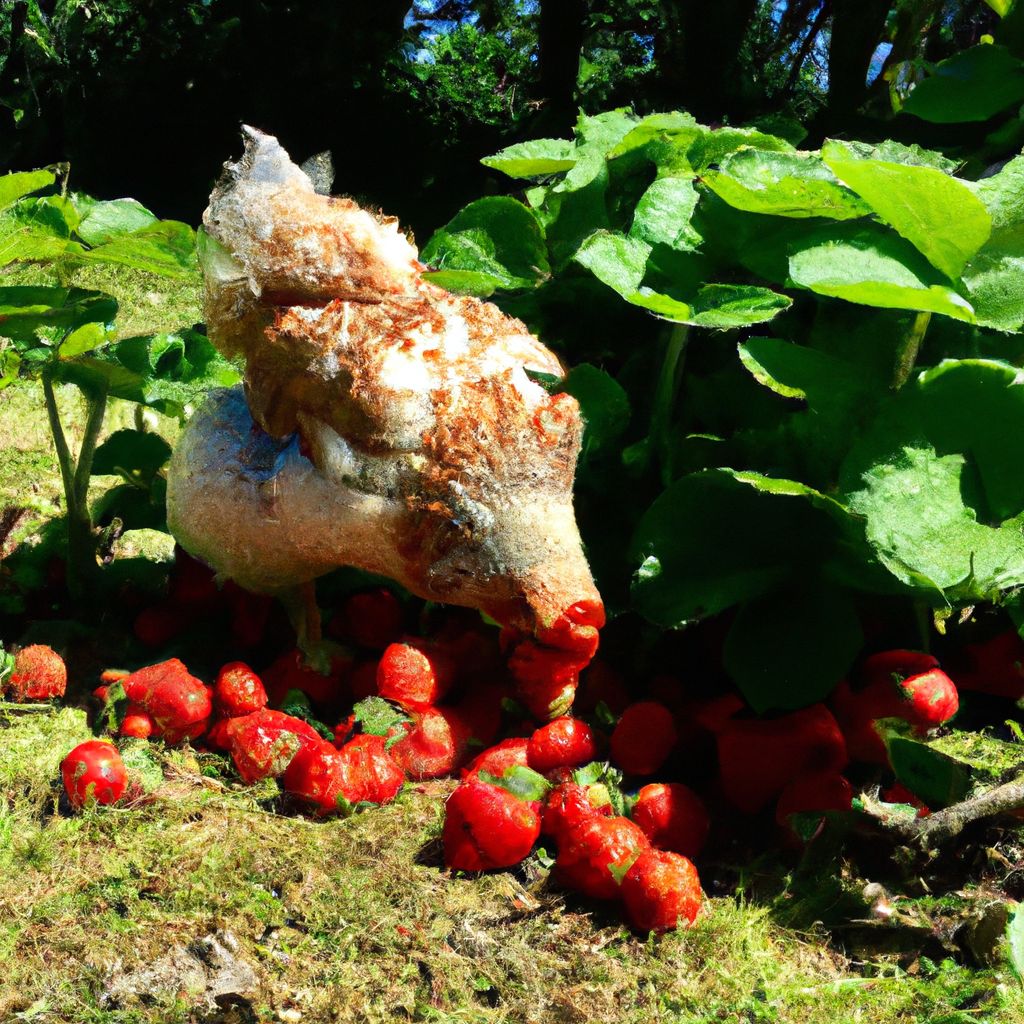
column 177, row 702
column 290, row 672
column 562, row 743
column 758, row 757
column 158, row 625
column 319, row 775
column 414, row 674
column 823, row 791
column 897, row 793
column 39, row 674
column 370, row 618
column 94, row 771
column 498, row 759
column 218, row 736
column 643, row 738
column 264, row 743
column 601, row 684
column 487, row 827
column 375, row 773
column 249, row 614
column 480, row 709
column 593, row 856
column 191, row 583
column 567, row 806
column 113, row 675
column 661, row 891
column 546, row 678
column 995, row 667
column 673, row 817
column 238, row 690
column 435, row 744
column 137, row 722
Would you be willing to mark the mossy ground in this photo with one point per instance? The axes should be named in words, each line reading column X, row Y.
column 355, row 920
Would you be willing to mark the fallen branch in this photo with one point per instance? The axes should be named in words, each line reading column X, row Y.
column 941, row 826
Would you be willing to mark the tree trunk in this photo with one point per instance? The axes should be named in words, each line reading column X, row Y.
column 560, row 38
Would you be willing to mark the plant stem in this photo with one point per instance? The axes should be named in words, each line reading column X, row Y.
column 97, row 405
column 906, row 354
column 665, row 397
column 64, row 460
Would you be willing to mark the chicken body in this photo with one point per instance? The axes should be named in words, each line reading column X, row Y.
column 385, row 423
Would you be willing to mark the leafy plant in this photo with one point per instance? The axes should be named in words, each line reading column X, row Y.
column 814, row 365
column 60, row 334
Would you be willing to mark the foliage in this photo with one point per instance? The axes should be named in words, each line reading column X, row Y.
column 818, row 448
column 60, row 334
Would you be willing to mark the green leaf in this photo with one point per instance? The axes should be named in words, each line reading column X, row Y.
column 614, row 259
column 898, row 153
column 166, row 247
column 533, row 159
column 724, row 306
column 1015, row 941
column 22, row 183
column 659, row 134
column 26, row 308
column 10, row 364
column 377, row 717
column 520, row 781
column 936, row 213
column 994, row 281
column 497, row 237
column 136, row 454
column 138, row 507
column 85, row 339
column 104, row 221
column 1003, row 194
column 788, row 650
column 464, row 282
column 605, row 130
column 870, row 266
column 936, row 778
column 663, row 213
column 36, row 229
column 718, row 538
column 1001, row 7
column 783, row 184
column 603, row 402
column 972, row 85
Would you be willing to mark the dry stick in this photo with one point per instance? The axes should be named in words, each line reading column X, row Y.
column 943, row 825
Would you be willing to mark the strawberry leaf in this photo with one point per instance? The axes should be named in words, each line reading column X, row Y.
column 114, row 708
column 377, row 717
column 520, row 781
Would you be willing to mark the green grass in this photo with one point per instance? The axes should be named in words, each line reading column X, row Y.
column 355, row 920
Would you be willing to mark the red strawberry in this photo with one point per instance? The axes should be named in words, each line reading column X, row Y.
column 264, row 743
column 238, row 690
column 319, row 775
column 435, row 745
column 157, row 626
column 567, row 806
column 995, row 667
column 824, row 791
column 113, row 675
column 414, row 674
column 191, row 582
column 218, row 736
column 498, row 759
column 661, row 892
column 480, row 709
column 249, row 614
column 487, row 827
column 137, row 722
column 897, row 793
column 563, row 743
column 178, row 703
column 715, row 713
column 673, row 817
column 758, row 757
column 100, row 693
column 371, row 618
column 375, row 773
column 546, row 678
column 593, row 856
column 601, row 684
column 643, row 738
column 290, row 672
column 94, row 771
column 39, row 674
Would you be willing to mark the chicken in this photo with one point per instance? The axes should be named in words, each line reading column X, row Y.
column 385, row 423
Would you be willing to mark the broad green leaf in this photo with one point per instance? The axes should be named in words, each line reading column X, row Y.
column 662, row 215
column 725, row 306
column 796, row 371
column 26, row 308
column 898, row 153
column 520, row 781
column 994, row 281
column 605, row 130
column 138, row 507
column 872, row 267
column 937, row 779
column 22, row 183
column 788, row 650
column 783, row 184
column 166, row 247
column 922, row 530
column 132, row 453
column 10, row 364
column 1015, row 941
column 465, row 282
column 667, row 132
column 972, row 85
column 603, row 402
column 715, row 539
column 1003, row 194
column 710, row 147
column 534, row 158
column 36, row 229
column 616, row 260
column 1001, row 7
column 498, row 237
column 85, row 339
column 938, row 214
column 104, row 221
